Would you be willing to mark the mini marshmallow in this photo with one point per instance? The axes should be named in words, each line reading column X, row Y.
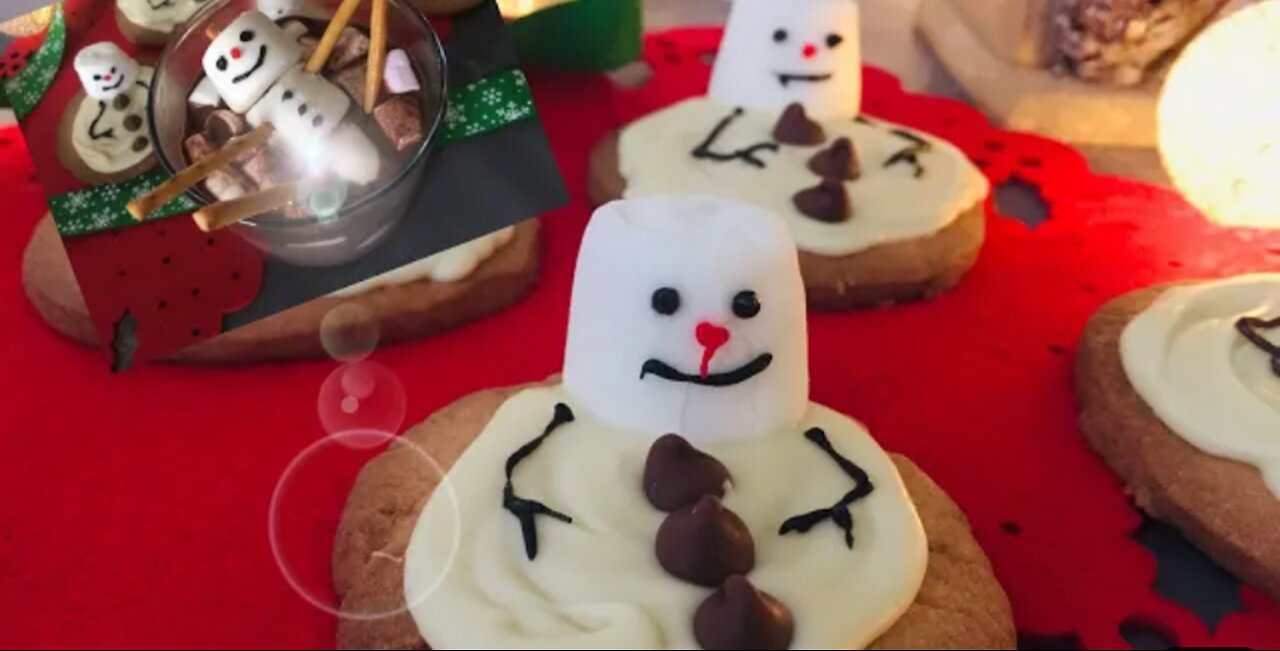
column 708, row 288
column 205, row 94
column 399, row 75
column 353, row 157
column 277, row 9
column 105, row 71
column 304, row 108
column 776, row 52
column 248, row 57
column 295, row 28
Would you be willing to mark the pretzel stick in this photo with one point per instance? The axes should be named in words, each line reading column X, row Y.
column 225, row 213
column 341, row 18
column 377, row 53
column 184, row 180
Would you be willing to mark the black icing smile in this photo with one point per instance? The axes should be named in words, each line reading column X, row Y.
column 786, row 78
column 726, row 379
column 262, row 58
column 117, row 85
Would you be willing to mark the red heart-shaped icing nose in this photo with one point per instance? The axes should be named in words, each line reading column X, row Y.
column 810, row 51
column 711, row 337
column 236, row 53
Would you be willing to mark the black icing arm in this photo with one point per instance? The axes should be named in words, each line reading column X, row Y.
column 746, row 155
column 839, row 512
column 525, row 510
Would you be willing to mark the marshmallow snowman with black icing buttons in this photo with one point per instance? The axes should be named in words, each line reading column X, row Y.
column 105, row 70
column 683, row 434
column 776, row 53
column 255, row 66
column 103, row 137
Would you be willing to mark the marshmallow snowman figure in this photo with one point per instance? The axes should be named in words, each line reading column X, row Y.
column 688, row 315
column 105, row 71
column 303, row 108
column 779, row 52
column 248, row 57
column 277, row 9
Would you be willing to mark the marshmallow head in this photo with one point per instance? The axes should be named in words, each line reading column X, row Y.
column 247, row 57
column 688, row 316
column 777, row 52
column 105, row 71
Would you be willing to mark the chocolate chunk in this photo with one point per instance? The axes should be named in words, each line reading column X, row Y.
column 676, row 474
column 826, row 202
column 225, row 185
column 264, row 168
column 197, row 147
column 738, row 616
column 839, row 161
column 224, row 124
column 121, row 102
column 795, row 128
column 309, row 45
column 400, row 119
column 352, row 47
column 132, row 122
column 351, row 80
column 199, row 114
column 705, row 543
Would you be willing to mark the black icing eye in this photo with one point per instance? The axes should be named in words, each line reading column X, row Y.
column 97, row 77
column 222, row 64
column 246, row 36
column 666, row 301
column 746, row 305
column 286, row 95
column 834, row 40
column 113, row 70
column 780, row 36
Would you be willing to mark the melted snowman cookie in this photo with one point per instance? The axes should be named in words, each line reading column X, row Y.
column 104, row 136
column 1180, row 394
column 152, row 22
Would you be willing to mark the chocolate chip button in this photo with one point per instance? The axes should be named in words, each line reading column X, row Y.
column 121, row 102
column 141, row 144
column 133, row 122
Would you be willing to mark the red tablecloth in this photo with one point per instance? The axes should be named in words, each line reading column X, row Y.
column 134, row 507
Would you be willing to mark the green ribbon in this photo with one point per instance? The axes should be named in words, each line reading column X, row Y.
column 26, row 88
column 487, row 105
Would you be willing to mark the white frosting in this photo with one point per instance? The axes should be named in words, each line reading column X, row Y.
column 776, row 52
column 113, row 151
column 708, row 250
column 450, row 265
column 159, row 15
column 596, row 582
column 890, row 204
column 1202, row 378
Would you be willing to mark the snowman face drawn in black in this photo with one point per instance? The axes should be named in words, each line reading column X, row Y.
column 812, row 49
column 745, row 305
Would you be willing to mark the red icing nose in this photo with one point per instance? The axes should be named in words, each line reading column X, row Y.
column 711, row 337
column 106, row 77
column 810, row 51
column 236, row 53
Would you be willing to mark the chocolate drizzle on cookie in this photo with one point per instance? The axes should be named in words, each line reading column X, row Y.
column 827, row 202
column 909, row 155
column 795, row 128
column 526, row 510
column 1251, row 327
column 838, row 513
column 94, row 133
column 839, row 161
column 748, row 155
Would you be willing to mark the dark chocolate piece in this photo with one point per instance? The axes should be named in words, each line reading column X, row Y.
column 198, row 114
column 525, row 510
column 838, row 513
column 400, row 119
column 839, row 161
column 198, row 147
column 828, row 202
column 677, row 475
column 309, row 45
column 351, row 80
column 795, row 128
column 141, row 144
column 352, row 47
column 747, row 154
column 1250, row 328
column 224, row 124
column 739, row 617
column 705, row 544
column 121, row 102
column 133, row 122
